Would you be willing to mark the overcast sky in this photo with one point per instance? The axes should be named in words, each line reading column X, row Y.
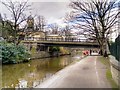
column 52, row 10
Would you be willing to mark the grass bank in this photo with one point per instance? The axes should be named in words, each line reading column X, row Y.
column 106, row 62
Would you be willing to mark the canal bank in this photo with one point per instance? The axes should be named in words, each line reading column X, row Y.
column 87, row 73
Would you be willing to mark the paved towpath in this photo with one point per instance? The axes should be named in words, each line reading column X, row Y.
column 87, row 73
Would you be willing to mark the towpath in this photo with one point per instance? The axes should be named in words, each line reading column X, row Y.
column 87, row 73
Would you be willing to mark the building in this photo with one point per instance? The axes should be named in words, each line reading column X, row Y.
column 30, row 23
column 35, row 35
column 54, row 37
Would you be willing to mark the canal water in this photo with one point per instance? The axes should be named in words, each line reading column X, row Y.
column 34, row 72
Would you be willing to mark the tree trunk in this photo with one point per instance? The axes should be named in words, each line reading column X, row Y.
column 103, row 49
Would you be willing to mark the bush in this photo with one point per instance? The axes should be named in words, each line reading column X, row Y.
column 54, row 49
column 11, row 53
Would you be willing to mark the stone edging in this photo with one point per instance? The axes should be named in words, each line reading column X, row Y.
column 114, row 62
column 115, row 69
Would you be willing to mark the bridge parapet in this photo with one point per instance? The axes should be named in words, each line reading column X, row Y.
column 67, row 42
column 59, row 39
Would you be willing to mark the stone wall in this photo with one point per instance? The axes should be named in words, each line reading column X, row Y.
column 41, row 54
column 43, row 51
column 115, row 69
column 36, row 54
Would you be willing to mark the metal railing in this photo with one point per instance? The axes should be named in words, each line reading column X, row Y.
column 59, row 39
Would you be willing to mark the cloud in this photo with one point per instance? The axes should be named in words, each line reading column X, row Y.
column 59, row 22
column 52, row 11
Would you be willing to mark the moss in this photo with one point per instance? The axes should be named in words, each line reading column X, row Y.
column 110, row 79
column 80, row 53
column 33, row 50
column 64, row 50
column 106, row 62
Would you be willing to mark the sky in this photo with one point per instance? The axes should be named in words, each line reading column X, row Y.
column 52, row 10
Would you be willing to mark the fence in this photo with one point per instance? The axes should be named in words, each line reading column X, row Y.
column 115, row 48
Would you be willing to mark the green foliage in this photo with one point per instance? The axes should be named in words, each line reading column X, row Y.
column 33, row 50
column 106, row 62
column 64, row 50
column 112, row 82
column 54, row 49
column 13, row 53
column 7, row 31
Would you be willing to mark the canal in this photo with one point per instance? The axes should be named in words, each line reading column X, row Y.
column 34, row 72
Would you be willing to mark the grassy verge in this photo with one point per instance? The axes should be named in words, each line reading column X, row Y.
column 106, row 62
column 112, row 82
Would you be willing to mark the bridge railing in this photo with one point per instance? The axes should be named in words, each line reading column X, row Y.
column 59, row 39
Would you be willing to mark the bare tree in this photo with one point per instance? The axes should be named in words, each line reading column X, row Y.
column 54, row 27
column 67, row 31
column 17, row 10
column 96, row 19
column 40, row 24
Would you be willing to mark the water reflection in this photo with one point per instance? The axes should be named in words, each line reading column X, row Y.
column 32, row 73
column 22, row 84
